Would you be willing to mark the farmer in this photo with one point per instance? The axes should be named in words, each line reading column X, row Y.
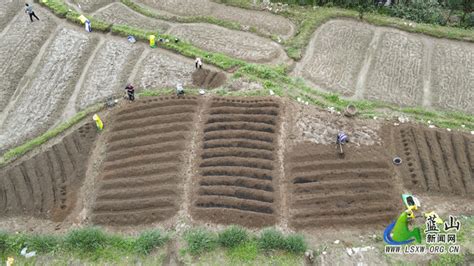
column 130, row 92
column 179, row 90
column 198, row 63
column 29, row 10
column 342, row 138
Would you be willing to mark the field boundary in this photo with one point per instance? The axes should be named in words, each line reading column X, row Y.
column 17, row 152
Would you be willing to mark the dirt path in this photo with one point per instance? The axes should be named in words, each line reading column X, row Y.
column 389, row 65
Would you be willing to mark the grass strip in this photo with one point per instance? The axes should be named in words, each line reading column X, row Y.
column 89, row 243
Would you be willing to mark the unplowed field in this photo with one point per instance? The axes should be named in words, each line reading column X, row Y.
column 396, row 75
column 8, row 9
column 117, row 13
column 336, row 54
column 45, row 186
column 163, row 69
column 237, row 170
column 328, row 190
column 245, row 46
column 390, row 65
column 43, row 99
column 453, row 76
column 142, row 176
column 18, row 52
column 91, row 5
column 436, row 161
column 263, row 21
column 108, row 72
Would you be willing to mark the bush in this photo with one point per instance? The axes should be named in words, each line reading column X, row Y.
column 3, row 243
column 271, row 239
column 233, row 236
column 85, row 240
column 43, row 243
column 199, row 241
column 295, row 244
column 149, row 240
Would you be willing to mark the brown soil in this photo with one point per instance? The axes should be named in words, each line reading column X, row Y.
column 205, row 78
column 328, row 189
column 45, row 185
column 142, row 173
column 436, row 161
column 237, row 173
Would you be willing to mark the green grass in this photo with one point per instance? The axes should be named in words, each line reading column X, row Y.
column 90, row 243
column 199, row 241
column 36, row 142
column 233, row 236
column 245, row 252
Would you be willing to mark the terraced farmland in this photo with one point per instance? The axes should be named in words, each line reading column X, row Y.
column 237, row 170
column 108, row 72
column 436, row 161
column 46, row 94
column 46, row 185
column 18, row 52
column 142, row 176
column 329, row 190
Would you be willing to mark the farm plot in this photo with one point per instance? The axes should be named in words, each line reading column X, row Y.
column 263, row 21
column 91, row 5
column 396, row 75
column 329, row 190
column 118, row 13
column 108, row 72
column 143, row 171
column 335, row 55
column 8, row 9
column 453, row 76
column 43, row 99
column 205, row 78
column 242, row 45
column 162, row 69
column 436, row 161
column 45, row 186
column 237, row 169
column 18, row 52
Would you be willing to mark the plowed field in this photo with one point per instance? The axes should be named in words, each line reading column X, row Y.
column 436, row 161
column 329, row 190
column 45, row 186
column 237, row 168
column 142, row 175
column 8, row 9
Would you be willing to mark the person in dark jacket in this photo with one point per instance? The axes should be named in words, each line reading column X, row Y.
column 130, row 92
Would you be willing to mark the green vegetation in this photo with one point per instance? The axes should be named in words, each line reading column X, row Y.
column 36, row 142
column 199, row 241
column 237, row 240
column 233, row 236
column 88, row 243
column 423, row 11
column 60, row 9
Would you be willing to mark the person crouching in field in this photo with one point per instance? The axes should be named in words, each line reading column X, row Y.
column 29, row 10
column 130, row 92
